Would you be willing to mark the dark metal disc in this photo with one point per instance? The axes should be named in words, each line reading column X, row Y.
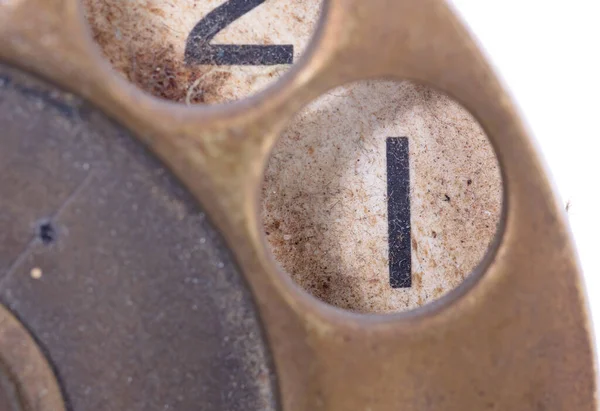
column 114, row 269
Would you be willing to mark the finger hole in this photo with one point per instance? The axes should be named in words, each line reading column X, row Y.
column 207, row 52
column 381, row 196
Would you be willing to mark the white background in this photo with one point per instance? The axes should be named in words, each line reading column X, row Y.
column 547, row 53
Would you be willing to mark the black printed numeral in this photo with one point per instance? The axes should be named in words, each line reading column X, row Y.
column 198, row 49
column 398, row 190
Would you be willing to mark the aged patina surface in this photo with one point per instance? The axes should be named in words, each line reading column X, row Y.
column 515, row 335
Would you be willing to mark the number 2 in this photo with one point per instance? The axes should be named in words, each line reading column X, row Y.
column 198, row 49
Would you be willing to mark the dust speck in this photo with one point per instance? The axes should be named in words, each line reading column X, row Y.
column 36, row 273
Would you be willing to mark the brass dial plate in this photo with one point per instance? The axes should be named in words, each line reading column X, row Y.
column 514, row 336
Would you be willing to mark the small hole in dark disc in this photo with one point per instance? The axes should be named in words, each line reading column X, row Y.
column 47, row 232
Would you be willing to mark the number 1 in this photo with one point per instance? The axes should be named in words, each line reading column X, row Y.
column 398, row 189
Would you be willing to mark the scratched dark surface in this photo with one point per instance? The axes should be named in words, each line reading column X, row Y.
column 139, row 305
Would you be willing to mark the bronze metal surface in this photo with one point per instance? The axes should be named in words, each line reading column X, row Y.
column 26, row 379
column 515, row 335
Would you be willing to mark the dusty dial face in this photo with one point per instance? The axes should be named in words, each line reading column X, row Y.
column 380, row 196
column 202, row 51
